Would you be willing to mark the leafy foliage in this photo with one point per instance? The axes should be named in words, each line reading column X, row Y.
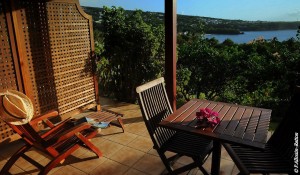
column 133, row 52
column 131, row 48
column 258, row 74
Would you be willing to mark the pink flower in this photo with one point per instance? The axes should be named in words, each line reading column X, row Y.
column 214, row 120
column 199, row 116
column 210, row 116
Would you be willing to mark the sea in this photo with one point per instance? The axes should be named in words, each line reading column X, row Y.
column 249, row 36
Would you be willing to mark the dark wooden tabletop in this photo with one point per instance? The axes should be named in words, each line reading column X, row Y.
column 239, row 124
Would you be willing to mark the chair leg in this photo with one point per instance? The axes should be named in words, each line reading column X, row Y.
column 14, row 158
column 165, row 161
column 171, row 161
column 203, row 170
column 89, row 144
column 121, row 123
column 168, row 164
column 243, row 170
column 200, row 163
column 174, row 158
column 57, row 160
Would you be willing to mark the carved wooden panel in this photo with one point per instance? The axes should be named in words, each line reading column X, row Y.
column 8, row 78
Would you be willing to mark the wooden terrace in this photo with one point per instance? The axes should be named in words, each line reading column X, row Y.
column 129, row 153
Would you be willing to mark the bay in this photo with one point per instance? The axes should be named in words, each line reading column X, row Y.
column 248, row 36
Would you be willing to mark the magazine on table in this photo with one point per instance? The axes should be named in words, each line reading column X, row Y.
column 91, row 121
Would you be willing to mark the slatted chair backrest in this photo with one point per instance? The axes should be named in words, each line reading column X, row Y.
column 283, row 138
column 155, row 107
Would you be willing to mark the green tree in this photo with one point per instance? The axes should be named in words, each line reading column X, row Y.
column 133, row 52
column 257, row 74
column 210, row 67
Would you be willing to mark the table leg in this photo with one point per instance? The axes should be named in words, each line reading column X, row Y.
column 216, row 158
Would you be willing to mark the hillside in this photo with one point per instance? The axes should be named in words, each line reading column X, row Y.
column 211, row 25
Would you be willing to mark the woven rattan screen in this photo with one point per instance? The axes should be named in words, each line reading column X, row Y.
column 71, row 50
column 8, row 77
column 57, row 39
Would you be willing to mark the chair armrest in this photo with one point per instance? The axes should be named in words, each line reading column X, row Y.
column 55, row 128
column 43, row 117
column 72, row 131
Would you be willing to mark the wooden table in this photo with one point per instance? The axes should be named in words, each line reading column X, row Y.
column 239, row 124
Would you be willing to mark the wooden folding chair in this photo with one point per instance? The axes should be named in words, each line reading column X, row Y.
column 279, row 153
column 155, row 107
column 59, row 142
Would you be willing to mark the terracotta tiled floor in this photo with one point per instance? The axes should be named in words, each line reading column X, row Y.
column 123, row 153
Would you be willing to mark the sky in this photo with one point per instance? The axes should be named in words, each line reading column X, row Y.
column 250, row 10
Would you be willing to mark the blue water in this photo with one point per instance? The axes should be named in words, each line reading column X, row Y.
column 251, row 35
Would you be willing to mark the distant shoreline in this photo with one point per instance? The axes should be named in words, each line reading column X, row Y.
column 280, row 35
column 220, row 33
column 243, row 32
